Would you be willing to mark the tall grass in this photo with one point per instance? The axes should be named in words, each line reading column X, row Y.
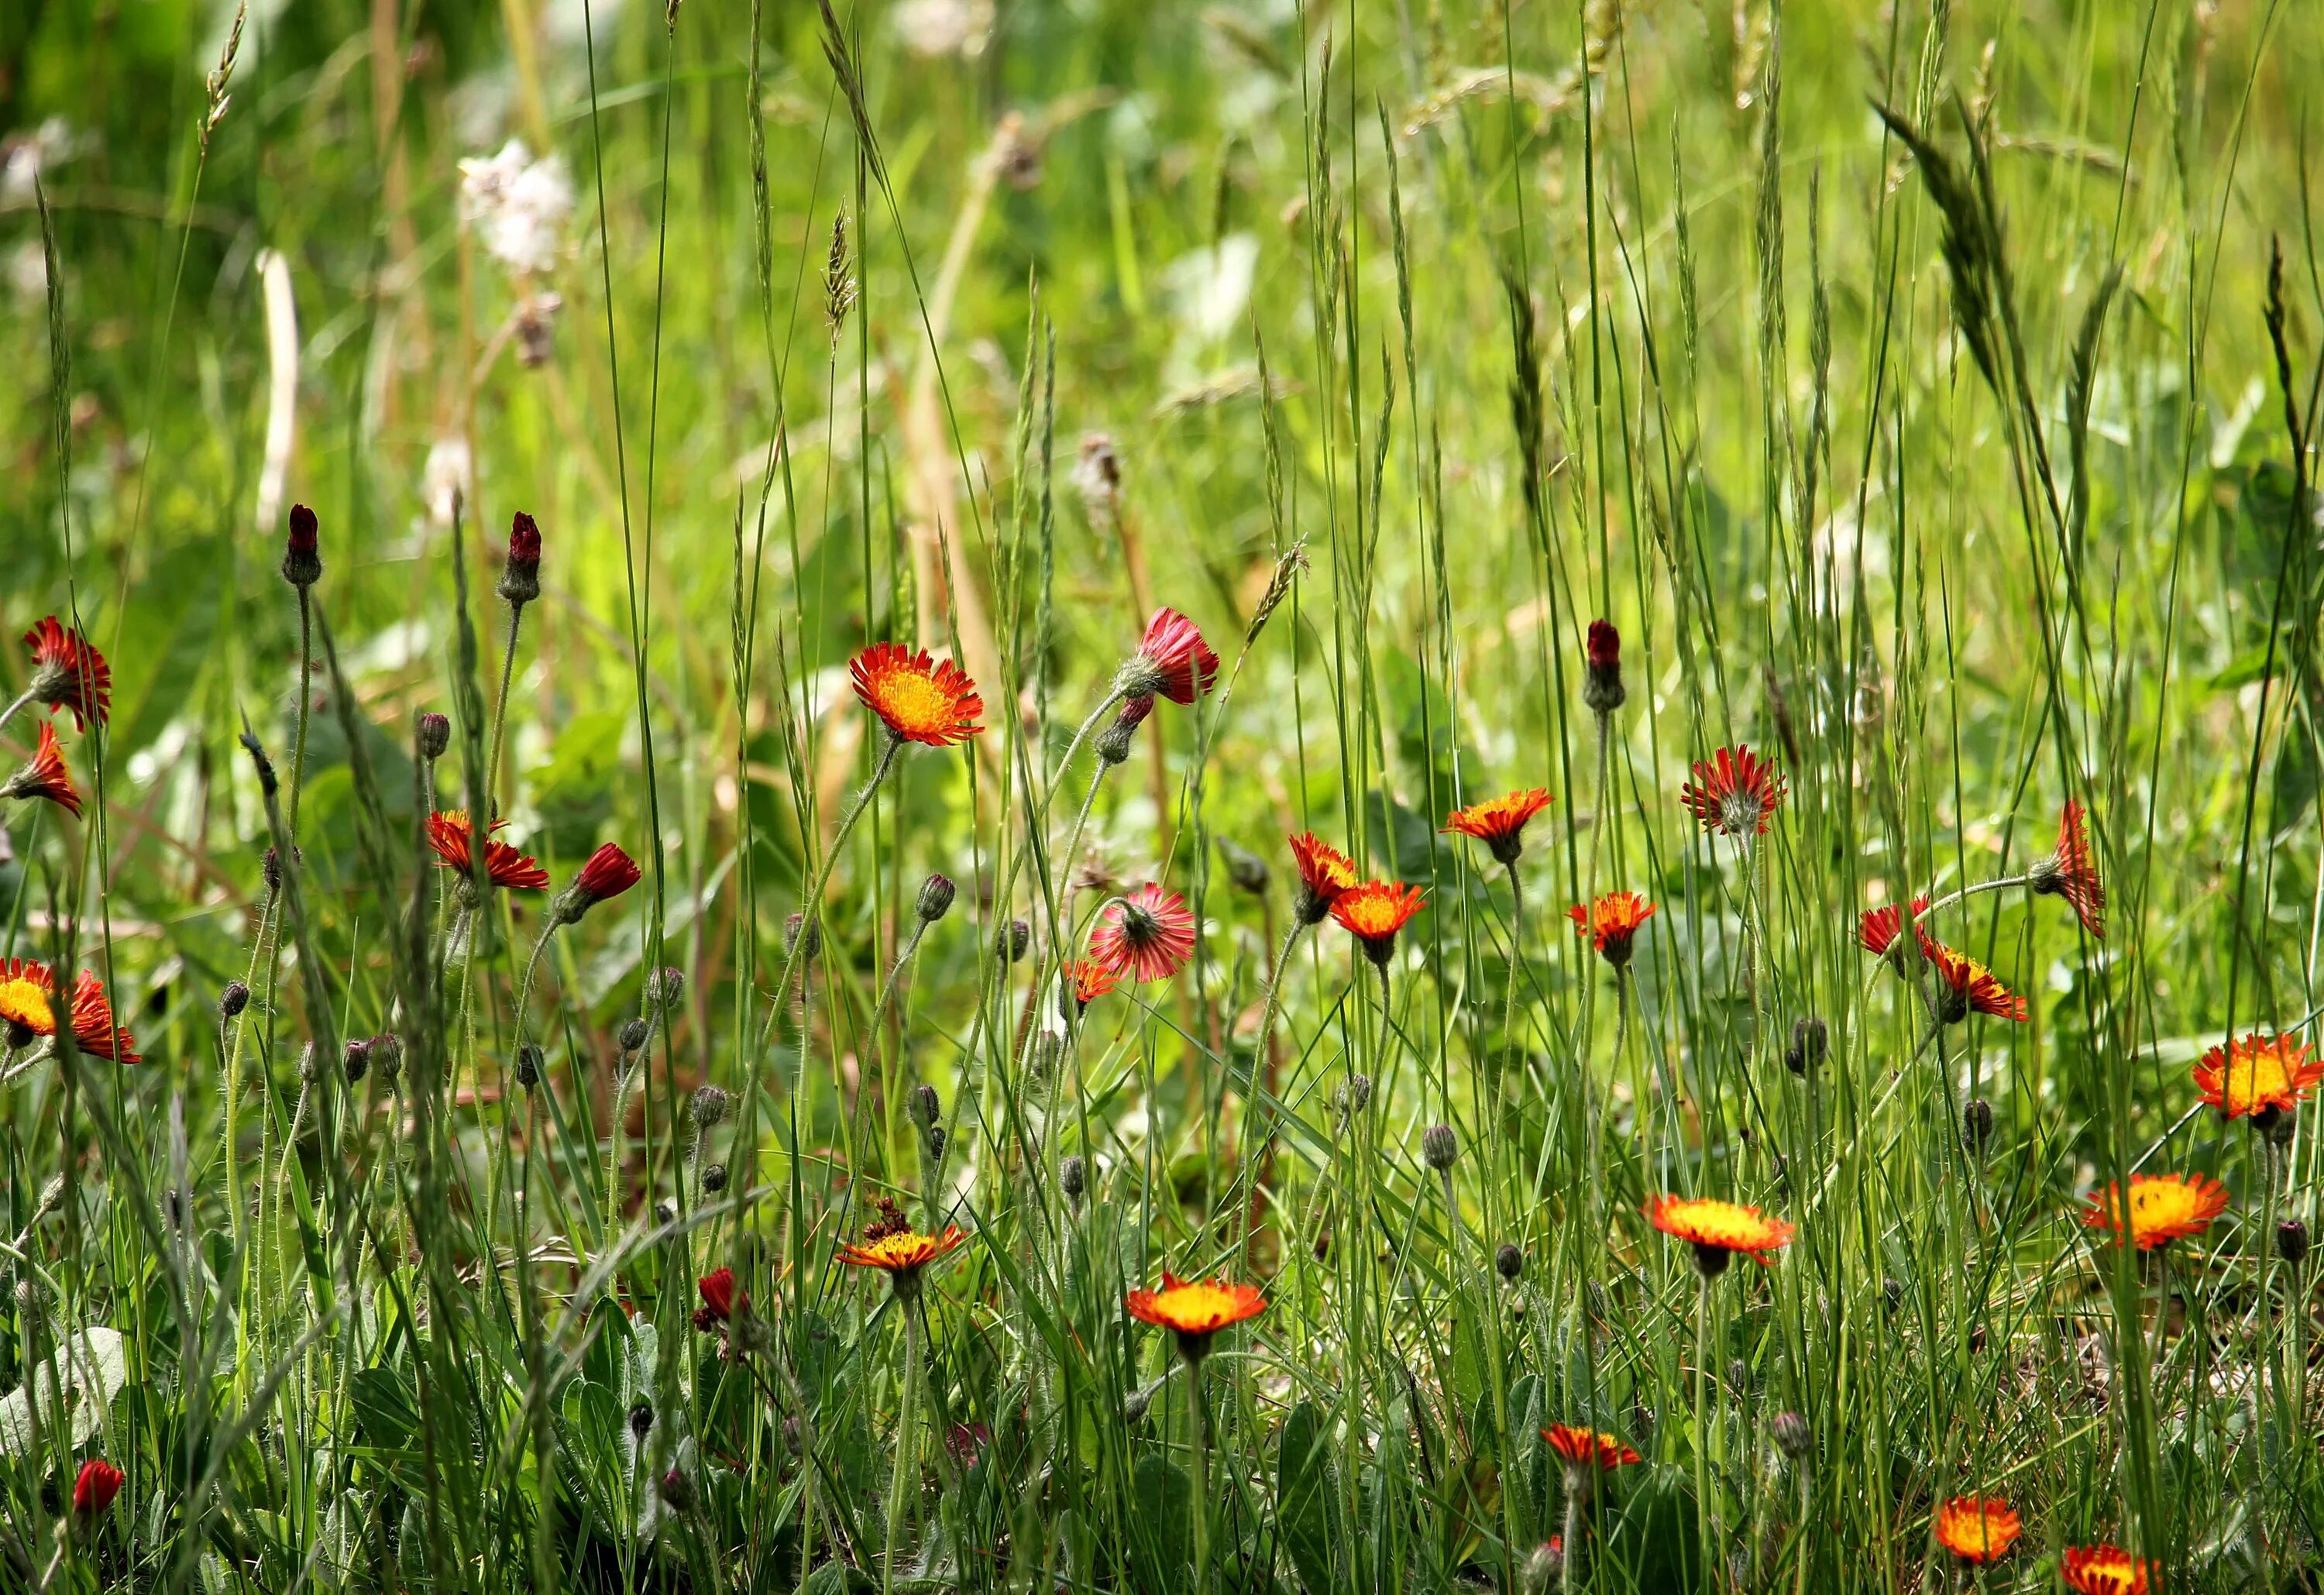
column 1927, row 397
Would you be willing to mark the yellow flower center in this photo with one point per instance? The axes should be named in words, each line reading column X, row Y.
column 915, row 701
column 23, row 1002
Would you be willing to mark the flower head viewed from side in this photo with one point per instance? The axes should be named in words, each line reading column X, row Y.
column 2072, row 873
column 1587, row 1448
column 1499, row 823
column 1611, row 923
column 1978, row 1529
column 1086, row 979
column 449, row 835
column 917, row 697
column 720, row 1299
column 1601, row 690
column 68, row 673
column 1373, row 912
column 1146, row 935
column 93, row 1031
column 1734, row 792
column 1324, row 872
column 1172, row 659
column 2162, row 1208
column 1878, row 929
column 1194, row 1310
column 2256, row 1073
column 1965, row 986
column 27, row 1009
column 1717, row 1229
column 94, row 1489
column 608, row 874
column 902, row 1254
column 45, row 776
column 2102, row 1570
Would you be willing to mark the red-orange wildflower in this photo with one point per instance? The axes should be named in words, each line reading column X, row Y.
column 1610, row 923
column 1087, row 979
column 2103, row 1570
column 1146, row 935
column 1878, row 929
column 93, row 1031
column 450, row 834
column 1194, row 1310
column 1499, row 823
column 1172, row 659
column 1583, row 1448
column 68, row 673
column 902, row 1254
column 1734, row 792
column 2255, row 1074
column 2072, row 872
column 1978, row 1529
column 916, row 696
column 26, row 1010
column 1963, row 985
column 2162, row 1208
column 45, row 776
column 1717, row 1229
column 1373, row 912
column 1324, row 872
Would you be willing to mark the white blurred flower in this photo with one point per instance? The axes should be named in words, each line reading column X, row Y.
column 444, row 480
column 27, row 156
column 943, row 27
column 518, row 206
column 27, row 269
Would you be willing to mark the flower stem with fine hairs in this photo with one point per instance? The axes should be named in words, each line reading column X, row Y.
column 306, row 692
column 908, row 1465
column 1577, row 1495
column 809, row 901
column 500, row 717
column 1202, row 1474
column 9, row 712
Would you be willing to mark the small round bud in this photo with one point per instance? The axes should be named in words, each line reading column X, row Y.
column 1246, row 870
column 1792, row 1437
column 1114, row 743
column 1891, row 1292
column 665, row 1212
column 302, row 557
column 713, row 1178
column 1811, row 1041
column 1544, row 1568
column 632, row 1034
column 528, row 1066
column 1360, row 1093
column 1602, row 689
column 927, row 1108
column 355, row 1059
column 935, row 899
column 1509, row 1262
column 665, row 986
column 233, row 1000
column 709, row 1107
column 1738, row 1376
column 431, row 735
column 1977, row 1124
column 1439, row 1146
column 678, row 1491
column 387, row 1057
column 642, row 1419
column 937, row 1139
column 793, row 928
column 1072, row 1175
column 2291, row 1241
column 1015, row 941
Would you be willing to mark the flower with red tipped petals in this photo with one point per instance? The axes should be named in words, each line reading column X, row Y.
column 1499, row 823
column 1086, row 979
column 2072, row 872
column 720, row 1299
column 1194, row 1309
column 1324, row 872
column 68, row 673
column 2256, row 1073
column 93, row 1031
column 2103, row 1570
column 1373, row 912
column 902, row 1254
column 1977, row 1528
column 1610, row 923
column 1877, row 930
column 609, row 873
column 2162, row 1208
column 1172, row 659
column 1965, row 986
column 1589, row 1448
column 26, row 1010
column 93, row 1492
column 450, row 834
column 45, row 776
column 1734, row 792
column 1717, row 1229
column 1147, row 934
column 916, row 696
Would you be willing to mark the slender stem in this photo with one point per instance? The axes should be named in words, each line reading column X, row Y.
column 500, row 715
column 811, row 900
column 2263, row 1364
column 1202, row 1475
column 306, row 692
column 2000, row 883
column 908, row 1465
column 1704, row 1540
column 1577, row 1493
column 895, row 975
column 9, row 712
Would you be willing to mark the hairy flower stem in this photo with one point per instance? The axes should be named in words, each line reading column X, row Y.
column 500, row 719
column 2263, row 1366
column 9, row 712
column 1706, row 1520
column 1248, row 1206
column 810, row 902
column 1577, row 1500
column 907, row 1473
column 1201, row 1402
column 306, row 693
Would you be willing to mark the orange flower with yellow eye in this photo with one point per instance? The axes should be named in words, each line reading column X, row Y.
column 1374, row 912
column 1717, row 1229
column 1194, row 1310
column 1965, row 986
column 902, row 1254
column 1583, row 1448
column 450, row 835
column 2162, row 1208
column 1610, row 923
column 1324, row 872
column 2103, row 1570
column 917, row 697
column 1977, row 1528
column 26, row 1007
column 1499, row 823
column 2256, row 1073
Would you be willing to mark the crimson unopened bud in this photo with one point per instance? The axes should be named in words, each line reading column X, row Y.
column 94, row 1489
column 431, row 735
column 709, row 1107
column 387, row 1055
column 1113, row 741
column 713, row 1178
column 355, row 1059
column 2291, row 1241
column 302, row 558
column 1602, row 689
column 1072, row 1175
column 926, row 1109
column 609, row 873
column 521, row 576
column 677, row 1490
column 935, row 897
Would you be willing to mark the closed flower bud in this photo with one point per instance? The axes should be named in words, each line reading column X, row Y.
column 713, row 1178
column 925, row 1106
column 937, row 1139
column 678, row 1491
column 1015, row 941
column 233, row 1000
column 1544, row 1568
column 1602, row 689
column 355, row 1059
column 1439, row 1146
column 1811, row 1041
column 642, row 1419
column 1246, row 870
column 431, row 735
column 1360, row 1093
column 1073, row 1174
column 387, row 1055
column 302, row 557
column 935, row 899
column 664, row 987
column 1792, row 1437
column 1509, row 1262
column 1113, row 742
column 1977, row 1124
column 632, row 1034
column 665, row 1212
column 1891, row 1292
column 2291, row 1241
column 528, row 1066
column 709, row 1107
column 521, row 576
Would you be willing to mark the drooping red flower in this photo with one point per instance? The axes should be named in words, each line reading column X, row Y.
column 1965, row 986
column 1147, row 934
column 1734, row 792
column 720, row 1299
column 916, row 696
column 1610, row 923
column 609, row 873
column 1499, row 823
column 1172, row 659
column 1374, row 912
column 68, row 673
column 1324, row 872
column 45, row 776
column 2072, row 872
column 93, row 1492
column 1877, row 930
column 450, row 833
column 93, row 1031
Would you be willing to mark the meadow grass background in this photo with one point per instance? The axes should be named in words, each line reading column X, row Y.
column 1477, row 322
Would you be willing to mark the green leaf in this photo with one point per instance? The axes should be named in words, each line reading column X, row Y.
column 1305, row 1503
column 1163, row 1530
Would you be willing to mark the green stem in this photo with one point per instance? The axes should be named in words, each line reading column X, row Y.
column 500, row 719
column 9, row 712
column 1202, row 1475
column 907, row 1436
column 306, row 692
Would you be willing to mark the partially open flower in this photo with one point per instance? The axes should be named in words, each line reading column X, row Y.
column 1877, row 930
column 1172, row 659
column 1194, row 1311
column 450, row 834
column 93, row 1031
column 1085, row 980
column 1114, row 743
column 917, row 697
column 45, row 776
column 1736, row 792
column 1324, row 872
column 1964, row 985
column 1374, row 912
column 93, row 1492
column 609, row 873
column 721, row 1300
column 69, row 674
column 2072, row 873
column 1146, row 936
column 1499, row 823
column 521, row 576
column 1610, row 923
column 26, row 1010
column 302, row 560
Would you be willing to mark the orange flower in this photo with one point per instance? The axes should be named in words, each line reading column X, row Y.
column 1977, row 1528
column 902, row 1254
column 2256, row 1073
column 69, row 674
column 1087, row 981
column 1324, row 872
column 1582, row 1448
column 918, row 699
column 25, row 1011
column 450, row 834
column 45, row 776
column 1194, row 1310
column 1499, row 823
column 2071, row 874
column 1734, row 792
column 1717, row 1229
column 1963, row 984
column 93, row 1029
column 1374, row 912
column 2102, row 1570
column 1611, row 922
column 2163, row 1208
